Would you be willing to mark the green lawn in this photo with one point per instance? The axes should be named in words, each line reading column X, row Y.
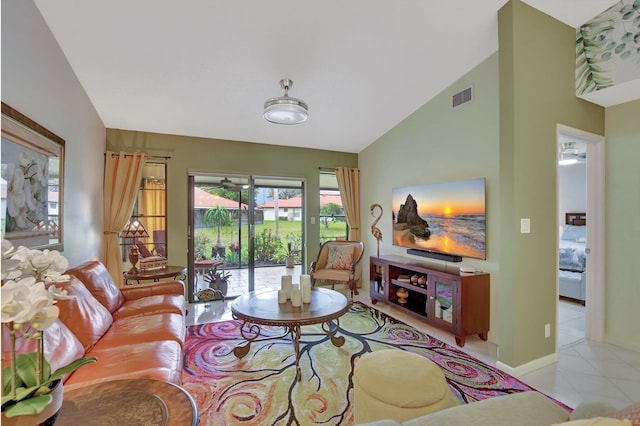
column 229, row 234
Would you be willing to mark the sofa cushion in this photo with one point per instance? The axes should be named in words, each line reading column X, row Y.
column 147, row 328
column 161, row 303
column 95, row 276
column 147, row 360
column 87, row 319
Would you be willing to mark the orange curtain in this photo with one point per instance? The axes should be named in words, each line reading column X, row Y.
column 122, row 176
column 349, row 185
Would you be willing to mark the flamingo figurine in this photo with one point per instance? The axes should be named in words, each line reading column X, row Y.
column 375, row 230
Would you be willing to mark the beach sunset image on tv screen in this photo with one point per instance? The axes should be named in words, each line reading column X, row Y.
column 444, row 217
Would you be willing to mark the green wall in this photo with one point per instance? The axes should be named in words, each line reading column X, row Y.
column 438, row 144
column 191, row 154
column 537, row 92
column 622, row 228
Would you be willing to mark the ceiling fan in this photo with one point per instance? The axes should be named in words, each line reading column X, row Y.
column 227, row 184
column 569, row 154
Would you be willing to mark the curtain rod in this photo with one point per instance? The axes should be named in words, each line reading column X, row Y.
column 156, row 157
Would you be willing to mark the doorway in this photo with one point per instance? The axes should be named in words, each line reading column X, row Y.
column 582, row 283
column 243, row 229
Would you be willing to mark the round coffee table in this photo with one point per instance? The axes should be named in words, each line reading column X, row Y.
column 262, row 308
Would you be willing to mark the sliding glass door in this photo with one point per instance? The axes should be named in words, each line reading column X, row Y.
column 244, row 233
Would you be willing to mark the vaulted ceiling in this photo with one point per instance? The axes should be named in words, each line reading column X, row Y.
column 205, row 68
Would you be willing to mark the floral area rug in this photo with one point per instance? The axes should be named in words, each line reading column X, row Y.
column 261, row 388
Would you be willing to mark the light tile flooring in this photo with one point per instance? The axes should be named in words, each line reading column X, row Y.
column 585, row 371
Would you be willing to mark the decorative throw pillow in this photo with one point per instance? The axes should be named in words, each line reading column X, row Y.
column 340, row 257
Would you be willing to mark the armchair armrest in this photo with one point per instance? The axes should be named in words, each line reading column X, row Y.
column 137, row 291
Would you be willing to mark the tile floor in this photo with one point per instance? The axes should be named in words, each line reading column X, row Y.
column 585, row 371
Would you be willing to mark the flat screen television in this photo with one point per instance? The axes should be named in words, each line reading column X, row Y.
column 448, row 217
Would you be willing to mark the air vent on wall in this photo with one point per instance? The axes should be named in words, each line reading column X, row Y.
column 462, row 97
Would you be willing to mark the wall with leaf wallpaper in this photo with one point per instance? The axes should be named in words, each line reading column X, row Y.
column 608, row 48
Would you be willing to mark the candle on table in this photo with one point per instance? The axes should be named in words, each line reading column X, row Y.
column 285, row 285
column 306, row 293
column 282, row 297
column 294, row 287
column 305, row 279
column 295, row 296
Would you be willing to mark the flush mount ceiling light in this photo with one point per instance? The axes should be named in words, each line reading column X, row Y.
column 285, row 109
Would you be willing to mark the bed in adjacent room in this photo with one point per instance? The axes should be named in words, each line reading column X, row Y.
column 572, row 257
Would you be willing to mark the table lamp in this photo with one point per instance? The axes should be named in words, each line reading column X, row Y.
column 133, row 229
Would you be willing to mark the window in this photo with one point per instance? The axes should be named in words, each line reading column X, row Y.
column 333, row 224
column 150, row 211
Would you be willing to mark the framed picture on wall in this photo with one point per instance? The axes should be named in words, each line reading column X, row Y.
column 32, row 172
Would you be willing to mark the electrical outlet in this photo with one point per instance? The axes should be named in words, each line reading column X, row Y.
column 313, row 220
column 525, row 225
column 547, row 331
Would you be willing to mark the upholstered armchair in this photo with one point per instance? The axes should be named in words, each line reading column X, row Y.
column 337, row 262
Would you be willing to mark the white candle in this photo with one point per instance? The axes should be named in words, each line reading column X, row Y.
column 285, row 285
column 282, row 297
column 305, row 279
column 295, row 297
column 294, row 287
column 306, row 293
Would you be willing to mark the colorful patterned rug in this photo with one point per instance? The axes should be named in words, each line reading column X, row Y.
column 261, row 388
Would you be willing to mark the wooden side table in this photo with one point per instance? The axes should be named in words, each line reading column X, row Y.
column 156, row 274
column 128, row 402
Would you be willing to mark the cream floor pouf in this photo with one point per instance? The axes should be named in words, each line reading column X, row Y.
column 399, row 385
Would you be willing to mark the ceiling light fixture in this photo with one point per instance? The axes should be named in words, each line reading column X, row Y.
column 285, row 109
column 568, row 151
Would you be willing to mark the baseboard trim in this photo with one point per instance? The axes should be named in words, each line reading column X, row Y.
column 529, row 366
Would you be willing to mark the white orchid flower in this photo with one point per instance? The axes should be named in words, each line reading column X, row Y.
column 42, row 260
column 40, row 297
column 52, row 276
column 45, row 318
column 60, row 293
column 15, row 191
column 24, row 159
column 16, row 303
column 7, row 248
column 43, row 165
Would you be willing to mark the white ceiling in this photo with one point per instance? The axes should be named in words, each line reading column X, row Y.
column 205, row 68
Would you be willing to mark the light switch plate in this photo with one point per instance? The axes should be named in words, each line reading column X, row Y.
column 525, row 225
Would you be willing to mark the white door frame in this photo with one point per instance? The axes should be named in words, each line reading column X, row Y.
column 595, row 291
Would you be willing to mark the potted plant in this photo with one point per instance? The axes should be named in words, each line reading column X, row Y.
column 29, row 386
column 218, row 284
column 290, row 260
column 218, row 216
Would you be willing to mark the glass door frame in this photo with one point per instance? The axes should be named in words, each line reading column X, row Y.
column 251, row 203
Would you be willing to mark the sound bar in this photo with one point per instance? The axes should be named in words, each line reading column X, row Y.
column 434, row 255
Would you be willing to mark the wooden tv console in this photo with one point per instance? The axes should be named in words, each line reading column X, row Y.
column 455, row 302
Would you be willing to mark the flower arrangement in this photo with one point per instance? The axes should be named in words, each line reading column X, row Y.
column 27, row 311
